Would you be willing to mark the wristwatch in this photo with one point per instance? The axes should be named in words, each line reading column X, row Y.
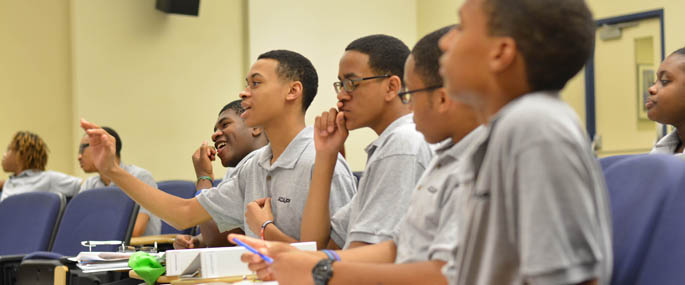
column 323, row 271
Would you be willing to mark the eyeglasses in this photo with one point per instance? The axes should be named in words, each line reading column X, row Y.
column 82, row 147
column 405, row 95
column 350, row 84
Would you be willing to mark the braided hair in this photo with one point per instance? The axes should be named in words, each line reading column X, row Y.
column 32, row 150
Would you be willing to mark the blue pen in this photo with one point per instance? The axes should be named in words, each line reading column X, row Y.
column 268, row 260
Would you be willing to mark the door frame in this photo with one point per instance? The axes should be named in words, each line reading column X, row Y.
column 590, row 123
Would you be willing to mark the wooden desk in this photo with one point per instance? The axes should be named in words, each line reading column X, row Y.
column 175, row 280
column 149, row 240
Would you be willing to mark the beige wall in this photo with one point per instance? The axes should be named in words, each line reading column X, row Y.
column 35, row 76
column 158, row 79
column 320, row 31
column 435, row 14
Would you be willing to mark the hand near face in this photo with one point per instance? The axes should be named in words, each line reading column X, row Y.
column 257, row 212
column 202, row 160
column 330, row 132
column 103, row 147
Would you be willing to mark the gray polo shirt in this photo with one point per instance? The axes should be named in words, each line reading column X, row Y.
column 533, row 201
column 32, row 180
column 154, row 224
column 286, row 182
column 429, row 229
column 668, row 144
column 396, row 161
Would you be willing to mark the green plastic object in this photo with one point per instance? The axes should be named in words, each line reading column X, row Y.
column 146, row 266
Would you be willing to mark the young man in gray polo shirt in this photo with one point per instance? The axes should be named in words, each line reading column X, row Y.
column 146, row 223
column 370, row 74
column 534, row 203
column 233, row 141
column 280, row 86
column 425, row 238
column 26, row 158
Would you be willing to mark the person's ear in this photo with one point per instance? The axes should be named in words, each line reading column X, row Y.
column 256, row 131
column 294, row 92
column 441, row 101
column 393, row 87
column 503, row 54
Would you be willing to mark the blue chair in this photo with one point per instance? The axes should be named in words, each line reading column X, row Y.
column 99, row 214
column 216, row 182
column 179, row 188
column 608, row 161
column 28, row 223
column 647, row 196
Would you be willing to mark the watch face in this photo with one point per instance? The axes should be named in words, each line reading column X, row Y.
column 322, row 271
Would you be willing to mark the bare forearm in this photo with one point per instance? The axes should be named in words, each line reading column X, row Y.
column 141, row 224
column 178, row 212
column 383, row 252
column 273, row 233
column 428, row 272
column 316, row 218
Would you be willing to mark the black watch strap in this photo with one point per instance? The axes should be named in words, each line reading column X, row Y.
column 323, row 271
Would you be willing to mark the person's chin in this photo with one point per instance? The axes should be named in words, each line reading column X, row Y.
column 225, row 161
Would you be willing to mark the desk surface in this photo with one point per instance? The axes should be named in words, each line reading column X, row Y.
column 149, row 240
column 176, row 280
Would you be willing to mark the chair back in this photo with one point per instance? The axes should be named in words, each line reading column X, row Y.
column 179, row 188
column 647, row 196
column 28, row 221
column 99, row 215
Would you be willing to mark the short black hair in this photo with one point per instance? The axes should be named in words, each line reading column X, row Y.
column 556, row 38
column 235, row 106
column 386, row 54
column 680, row 51
column 113, row 133
column 427, row 54
column 295, row 67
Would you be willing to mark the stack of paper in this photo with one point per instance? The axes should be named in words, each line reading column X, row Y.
column 102, row 261
column 213, row 262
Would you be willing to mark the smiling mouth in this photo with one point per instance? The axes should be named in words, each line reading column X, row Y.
column 220, row 145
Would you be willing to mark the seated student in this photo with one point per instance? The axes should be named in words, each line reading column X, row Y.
column 424, row 239
column 233, row 141
column 146, row 223
column 25, row 158
column 665, row 103
column 534, row 201
column 280, row 87
column 370, row 74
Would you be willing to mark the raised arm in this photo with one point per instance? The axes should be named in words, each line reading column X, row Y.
column 330, row 134
column 178, row 212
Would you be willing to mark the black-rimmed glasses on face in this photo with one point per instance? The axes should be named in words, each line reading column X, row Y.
column 82, row 147
column 350, row 84
column 405, row 95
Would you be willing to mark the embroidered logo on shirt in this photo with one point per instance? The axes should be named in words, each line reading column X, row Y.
column 432, row 189
column 283, row 200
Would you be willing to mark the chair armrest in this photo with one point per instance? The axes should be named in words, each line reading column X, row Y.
column 9, row 265
column 150, row 240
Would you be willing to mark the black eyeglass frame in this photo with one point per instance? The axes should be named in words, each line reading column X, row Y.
column 353, row 83
column 405, row 96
